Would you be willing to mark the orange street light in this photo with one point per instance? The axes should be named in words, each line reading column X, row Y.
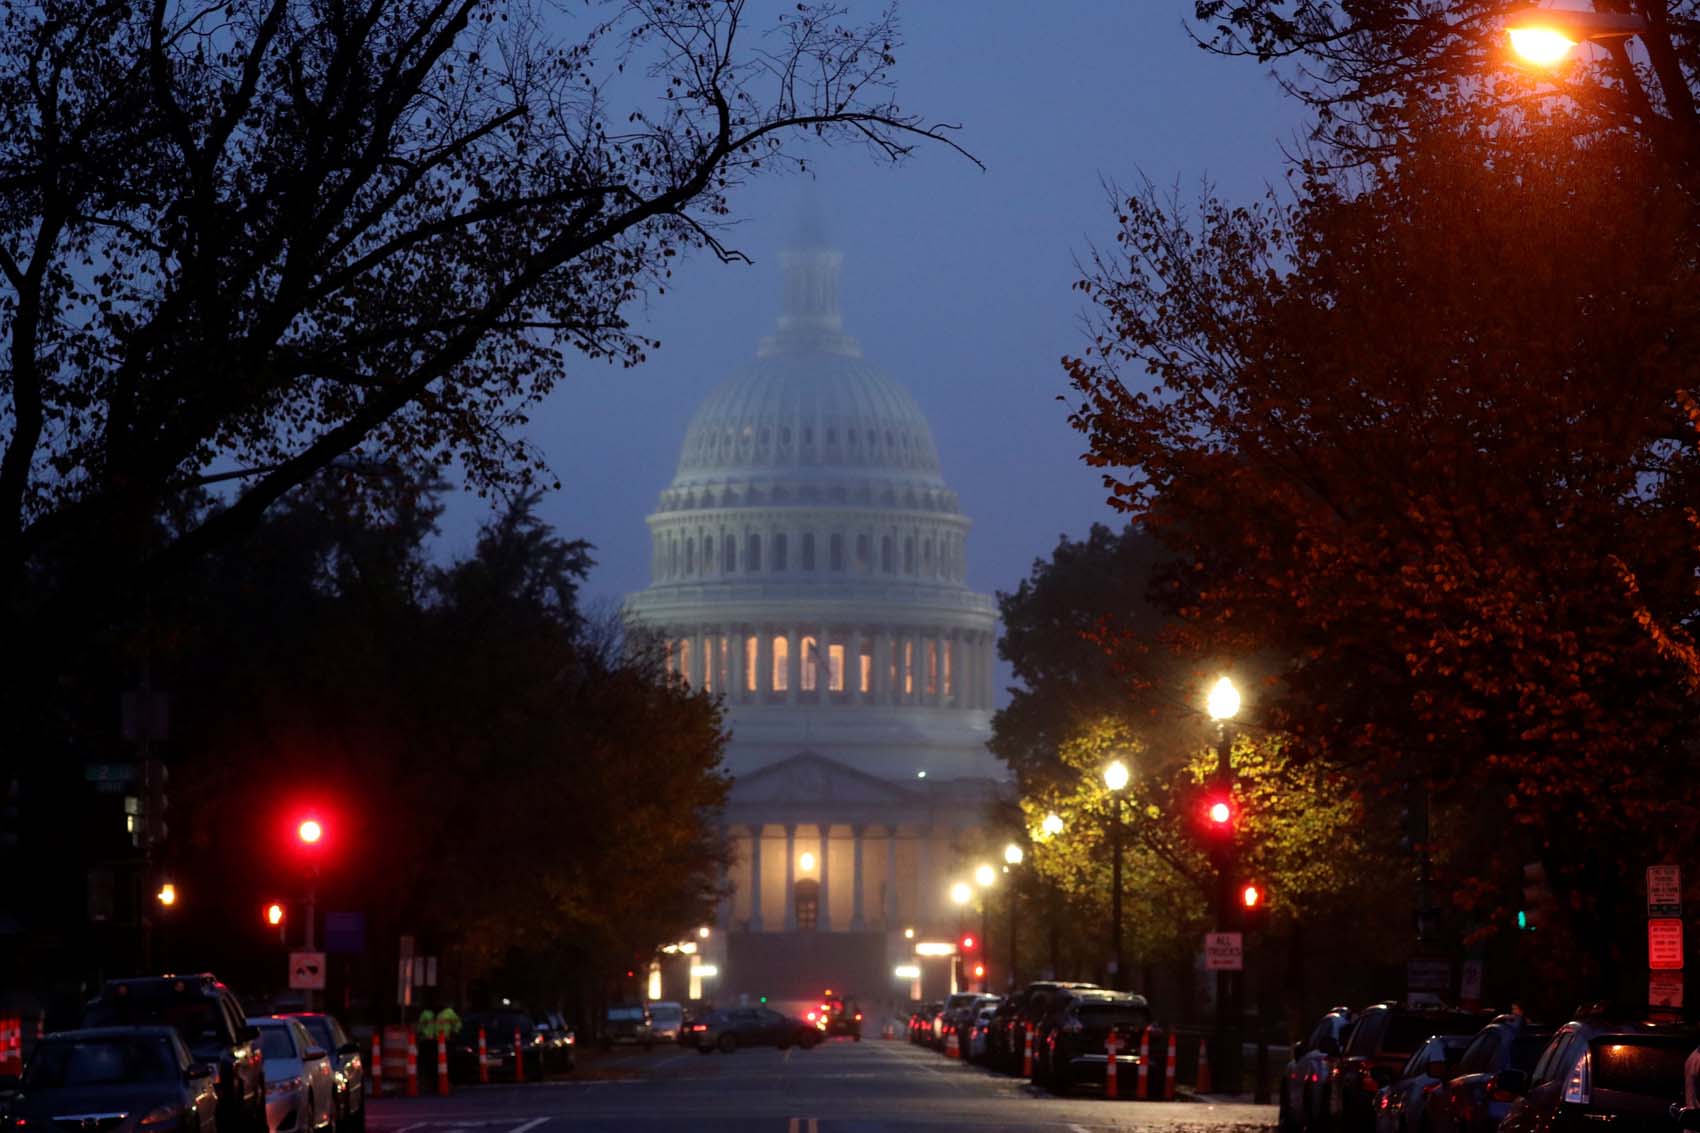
column 1545, row 36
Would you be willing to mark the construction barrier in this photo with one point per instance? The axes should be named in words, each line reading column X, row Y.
column 1112, row 1071
column 1169, row 1071
column 392, row 1067
column 11, row 1044
column 412, row 1064
column 519, row 1058
column 1202, row 1085
column 442, row 1066
column 1027, row 1052
column 376, row 1066
column 483, row 1059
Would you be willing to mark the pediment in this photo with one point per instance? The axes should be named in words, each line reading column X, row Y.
column 813, row 779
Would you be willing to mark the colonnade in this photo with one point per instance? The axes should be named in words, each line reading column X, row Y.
column 937, row 666
column 910, row 901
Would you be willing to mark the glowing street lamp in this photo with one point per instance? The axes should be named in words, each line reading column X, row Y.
column 1051, row 825
column 310, row 832
column 167, row 894
column 1116, row 777
column 1223, row 703
column 1546, row 36
column 985, row 876
column 806, row 861
column 1013, row 854
column 961, row 893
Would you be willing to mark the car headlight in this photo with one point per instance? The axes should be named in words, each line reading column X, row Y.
column 286, row 1086
column 341, row 1080
column 164, row 1115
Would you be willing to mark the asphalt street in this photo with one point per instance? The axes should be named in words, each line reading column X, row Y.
column 839, row 1087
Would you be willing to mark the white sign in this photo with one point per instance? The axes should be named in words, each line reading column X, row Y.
column 1224, row 952
column 307, row 971
column 1664, row 891
column 1664, row 989
column 1470, row 982
column 1664, row 945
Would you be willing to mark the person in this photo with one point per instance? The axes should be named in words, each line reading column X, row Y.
column 448, row 1023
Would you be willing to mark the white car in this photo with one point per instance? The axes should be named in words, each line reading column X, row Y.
column 300, row 1079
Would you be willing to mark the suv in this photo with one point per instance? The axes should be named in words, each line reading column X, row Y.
column 1031, row 1004
column 1075, row 1050
column 1618, row 1071
column 839, row 1016
column 629, row 1023
column 1474, row 1100
column 211, row 1023
column 1382, row 1041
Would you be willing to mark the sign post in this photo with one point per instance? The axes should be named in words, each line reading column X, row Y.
column 307, row 971
column 1664, row 936
column 1224, row 952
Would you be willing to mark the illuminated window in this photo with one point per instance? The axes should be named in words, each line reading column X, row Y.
column 751, row 663
column 908, row 668
column 752, row 553
column 836, row 552
column 671, row 663
column 811, row 663
column 835, row 668
column 932, row 667
column 685, row 658
column 781, row 663
column 808, row 550
column 949, row 651
column 888, row 554
column 891, row 669
column 779, row 551
column 865, row 672
column 864, row 553
column 806, row 902
column 708, row 665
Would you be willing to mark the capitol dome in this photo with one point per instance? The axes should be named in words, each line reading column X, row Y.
column 808, row 558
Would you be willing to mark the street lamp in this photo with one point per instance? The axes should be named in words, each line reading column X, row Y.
column 1013, row 855
column 167, row 894
column 1545, row 36
column 985, row 877
column 1051, row 825
column 960, row 894
column 1223, row 704
column 1116, row 777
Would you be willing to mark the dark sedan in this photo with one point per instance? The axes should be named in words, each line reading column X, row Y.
column 115, row 1080
column 726, row 1031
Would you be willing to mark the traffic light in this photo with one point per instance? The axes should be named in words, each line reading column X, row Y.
column 309, row 832
column 274, row 914
column 979, row 971
column 1219, row 814
column 967, row 943
column 1251, row 897
column 1538, row 899
column 1254, row 906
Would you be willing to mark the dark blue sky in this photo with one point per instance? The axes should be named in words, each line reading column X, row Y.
column 956, row 281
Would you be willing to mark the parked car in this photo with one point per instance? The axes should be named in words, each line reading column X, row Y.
column 557, row 1044
column 1471, row 1101
column 948, row 1013
column 1606, row 1070
column 1075, row 1048
column 1401, row 1105
column 348, row 1065
column 728, row 1030
column 628, row 1023
column 500, row 1028
column 1380, row 1043
column 209, row 1020
column 1044, row 1027
column 666, row 1020
column 979, row 1030
column 145, row 1075
column 300, row 1084
column 1303, row 1102
column 1032, row 1003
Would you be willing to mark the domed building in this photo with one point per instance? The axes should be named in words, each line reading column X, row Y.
column 808, row 564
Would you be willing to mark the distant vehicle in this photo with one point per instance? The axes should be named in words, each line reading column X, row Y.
column 1303, row 1104
column 501, row 1027
column 1402, row 1105
column 629, row 1023
column 143, row 1075
column 348, row 1064
column 979, row 1031
column 839, row 1016
column 1604, row 1071
column 666, row 1020
column 300, row 1084
column 1473, row 1101
column 556, row 1040
column 921, row 1022
column 209, row 1020
column 1075, row 1048
column 728, row 1030
column 1380, row 1043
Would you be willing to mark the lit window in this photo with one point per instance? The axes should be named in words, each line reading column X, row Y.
column 932, row 667
column 781, row 663
column 708, row 665
column 949, row 650
column 671, row 663
column 865, row 672
column 908, row 668
column 835, row 666
column 751, row 663
column 811, row 661
column 685, row 659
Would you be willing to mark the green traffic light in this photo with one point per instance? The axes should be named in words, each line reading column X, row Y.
column 764, row 999
column 1523, row 924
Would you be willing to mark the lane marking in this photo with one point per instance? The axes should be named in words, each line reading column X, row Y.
column 532, row 1124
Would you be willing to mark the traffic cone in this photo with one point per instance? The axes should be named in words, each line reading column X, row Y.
column 377, row 1068
column 951, row 1050
column 1142, row 1090
column 412, row 1064
column 1169, row 1071
column 1027, row 1052
column 1112, row 1069
column 1202, row 1085
column 483, row 1059
column 442, row 1066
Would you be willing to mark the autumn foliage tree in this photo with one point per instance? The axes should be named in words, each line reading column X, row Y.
column 1423, row 437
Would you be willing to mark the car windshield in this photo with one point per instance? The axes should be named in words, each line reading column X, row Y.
column 1651, row 1066
column 108, row 1061
column 276, row 1043
column 196, row 1017
column 625, row 1014
column 319, row 1026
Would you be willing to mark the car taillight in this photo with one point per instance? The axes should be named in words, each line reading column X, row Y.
column 858, row 1016
column 1578, row 1088
column 811, row 1016
column 699, row 1026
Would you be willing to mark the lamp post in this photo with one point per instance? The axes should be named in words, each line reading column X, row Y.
column 1223, row 705
column 1546, row 36
column 1049, row 827
column 960, row 894
column 1012, row 856
column 309, row 833
column 985, row 877
column 1115, row 778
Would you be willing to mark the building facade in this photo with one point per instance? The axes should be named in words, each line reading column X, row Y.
column 808, row 565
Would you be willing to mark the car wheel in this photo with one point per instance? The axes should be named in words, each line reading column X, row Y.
column 727, row 1044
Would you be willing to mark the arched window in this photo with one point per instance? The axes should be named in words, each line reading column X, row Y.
column 864, row 553
column 781, row 663
column 811, row 665
column 888, row 554
column 808, row 550
column 835, row 668
column 908, row 668
column 932, row 667
column 752, row 554
column 778, row 542
column 752, row 662
column 836, row 551
column 909, row 554
column 949, row 683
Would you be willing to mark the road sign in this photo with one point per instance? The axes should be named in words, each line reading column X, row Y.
column 1664, row 944
column 1664, row 891
column 307, row 971
column 1224, row 952
column 1664, row 989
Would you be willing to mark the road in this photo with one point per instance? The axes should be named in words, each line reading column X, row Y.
column 839, row 1087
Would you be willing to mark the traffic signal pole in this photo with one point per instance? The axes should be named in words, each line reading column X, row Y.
column 1228, row 1009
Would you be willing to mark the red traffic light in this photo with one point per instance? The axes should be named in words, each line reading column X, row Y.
column 1220, row 813
column 1251, row 896
column 310, row 831
column 274, row 914
column 979, row 971
column 967, row 943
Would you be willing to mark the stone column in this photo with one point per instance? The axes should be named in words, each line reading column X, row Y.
column 853, row 643
column 790, row 877
column 938, row 639
column 890, row 911
column 823, row 922
column 856, row 879
column 737, row 691
column 755, row 877
column 988, row 665
column 882, row 661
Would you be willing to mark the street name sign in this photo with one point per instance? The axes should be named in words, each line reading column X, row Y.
column 1664, row 891
column 1664, row 944
column 1224, row 952
column 307, row 971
